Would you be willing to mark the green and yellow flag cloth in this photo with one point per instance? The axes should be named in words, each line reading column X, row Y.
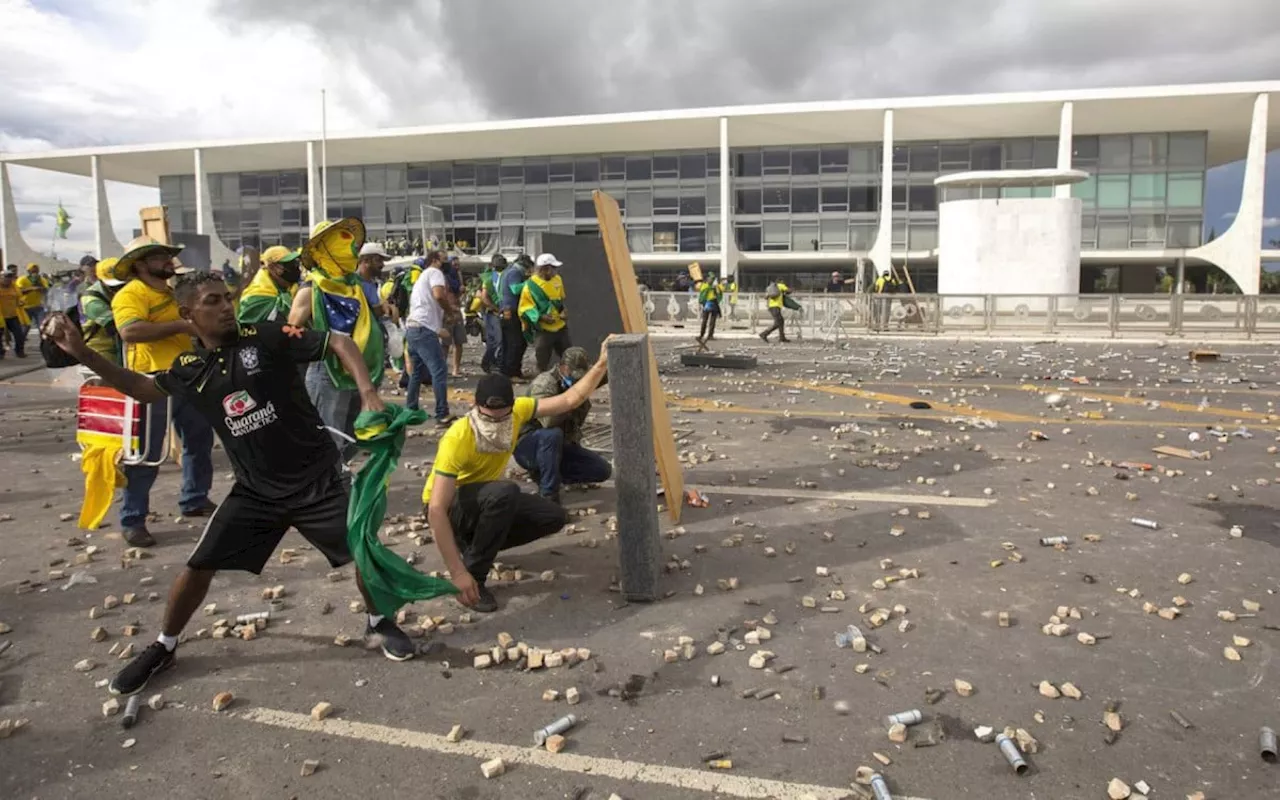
column 390, row 581
column 262, row 300
column 541, row 302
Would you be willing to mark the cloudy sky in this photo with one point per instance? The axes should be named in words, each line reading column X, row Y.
column 88, row 72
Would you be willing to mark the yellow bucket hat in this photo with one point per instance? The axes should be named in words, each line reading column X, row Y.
column 109, row 272
column 349, row 230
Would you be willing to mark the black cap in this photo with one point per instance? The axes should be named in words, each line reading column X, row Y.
column 88, row 261
column 495, row 391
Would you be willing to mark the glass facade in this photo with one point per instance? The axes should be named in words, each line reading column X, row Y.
column 1144, row 191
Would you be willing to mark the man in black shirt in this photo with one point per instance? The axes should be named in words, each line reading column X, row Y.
column 244, row 380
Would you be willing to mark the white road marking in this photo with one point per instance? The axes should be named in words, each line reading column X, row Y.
column 631, row 771
column 859, row 497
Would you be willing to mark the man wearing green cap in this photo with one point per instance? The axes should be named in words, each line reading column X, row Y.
column 550, row 447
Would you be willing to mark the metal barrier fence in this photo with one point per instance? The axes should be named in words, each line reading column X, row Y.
column 829, row 316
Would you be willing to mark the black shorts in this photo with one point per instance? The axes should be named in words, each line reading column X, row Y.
column 246, row 529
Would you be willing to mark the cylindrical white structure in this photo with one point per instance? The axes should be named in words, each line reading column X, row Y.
column 1009, row 246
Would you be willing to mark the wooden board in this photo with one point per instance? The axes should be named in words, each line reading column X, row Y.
column 155, row 223
column 695, row 271
column 623, row 273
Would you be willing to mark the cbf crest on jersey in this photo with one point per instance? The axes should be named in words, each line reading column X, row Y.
column 249, row 358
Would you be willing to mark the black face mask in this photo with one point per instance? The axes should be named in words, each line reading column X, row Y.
column 291, row 273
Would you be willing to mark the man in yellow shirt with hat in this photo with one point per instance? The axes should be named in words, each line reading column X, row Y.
column 154, row 335
column 34, row 289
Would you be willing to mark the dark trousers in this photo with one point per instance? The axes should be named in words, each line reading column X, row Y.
column 197, row 464
column 513, row 347
column 547, row 343
column 13, row 326
column 779, row 325
column 545, row 452
column 708, row 330
column 488, row 518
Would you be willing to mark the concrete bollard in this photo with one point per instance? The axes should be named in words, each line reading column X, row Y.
column 634, row 476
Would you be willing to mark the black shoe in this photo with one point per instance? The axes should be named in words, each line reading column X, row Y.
column 133, row 678
column 396, row 644
column 553, row 497
column 205, row 509
column 763, row 337
column 139, row 536
column 446, row 422
column 488, row 603
column 784, row 341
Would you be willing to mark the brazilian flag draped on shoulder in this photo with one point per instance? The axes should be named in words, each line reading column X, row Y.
column 263, row 301
column 534, row 305
column 388, row 578
column 338, row 302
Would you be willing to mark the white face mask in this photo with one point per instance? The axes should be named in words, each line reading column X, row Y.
column 492, row 436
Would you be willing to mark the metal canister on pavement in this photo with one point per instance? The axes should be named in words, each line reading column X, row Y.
column 1145, row 523
column 1267, row 745
column 880, row 788
column 908, row 718
column 1011, row 754
column 561, row 725
column 1051, row 541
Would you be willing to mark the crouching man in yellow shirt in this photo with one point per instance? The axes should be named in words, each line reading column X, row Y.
column 473, row 513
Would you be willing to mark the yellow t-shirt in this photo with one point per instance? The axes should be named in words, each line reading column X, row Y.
column 138, row 302
column 776, row 302
column 554, row 289
column 456, row 456
column 9, row 301
column 32, row 299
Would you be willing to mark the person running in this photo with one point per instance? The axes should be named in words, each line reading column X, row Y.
column 154, row 335
column 550, row 446
column 34, row 289
column 474, row 514
column 243, row 380
column 543, row 314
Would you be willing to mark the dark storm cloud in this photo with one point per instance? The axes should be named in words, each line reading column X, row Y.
column 516, row 58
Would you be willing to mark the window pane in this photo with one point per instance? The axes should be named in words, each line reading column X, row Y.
column 693, row 205
column 955, row 156
column 900, row 158
column 638, row 169
column 639, row 203
column 1113, row 234
column 270, row 215
column 537, row 206
column 419, row 177
column 835, row 232
column 834, row 160
column 747, row 165
column 535, row 174
column 586, row 170
column 1147, row 229
column 640, row 240
column 666, row 205
column 804, row 236
column 664, row 237
column 923, row 157
column 864, row 198
column 375, row 179
column 509, row 174
column 1045, row 153
column 922, row 236
column 835, row 198
column 1017, row 153
column 777, row 235
column 776, row 199
column 693, row 165
column 1150, row 150
column 777, row 162
column 747, row 201
column 561, row 172
column 511, row 201
column 1186, row 149
column 441, row 176
column 1013, row 192
column 1147, row 191
column 561, row 202
column 395, row 179
column 396, row 212
column 1087, row 191
column 488, row 174
column 1186, row 190
column 584, row 208
column 804, row 201
column 1084, row 150
column 922, row 198
column 267, row 185
column 1113, row 152
column 1089, row 231
column 713, row 196
column 613, row 167
column 861, row 235
column 248, row 185
column 985, row 155
column 864, row 159
column 693, row 238
column 666, row 167
column 1113, row 191
column 899, row 197
column 748, row 238
column 1183, row 233
column 804, row 162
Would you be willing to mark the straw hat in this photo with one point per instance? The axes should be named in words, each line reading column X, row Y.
column 142, row 247
column 349, row 231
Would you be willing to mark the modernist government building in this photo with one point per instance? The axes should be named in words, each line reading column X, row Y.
column 1037, row 192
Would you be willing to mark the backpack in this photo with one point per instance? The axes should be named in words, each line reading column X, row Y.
column 773, row 292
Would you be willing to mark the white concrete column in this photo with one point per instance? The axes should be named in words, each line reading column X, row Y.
column 313, row 196
column 218, row 252
column 1065, row 147
column 728, row 247
column 882, row 250
column 106, row 243
column 1238, row 251
column 16, row 250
